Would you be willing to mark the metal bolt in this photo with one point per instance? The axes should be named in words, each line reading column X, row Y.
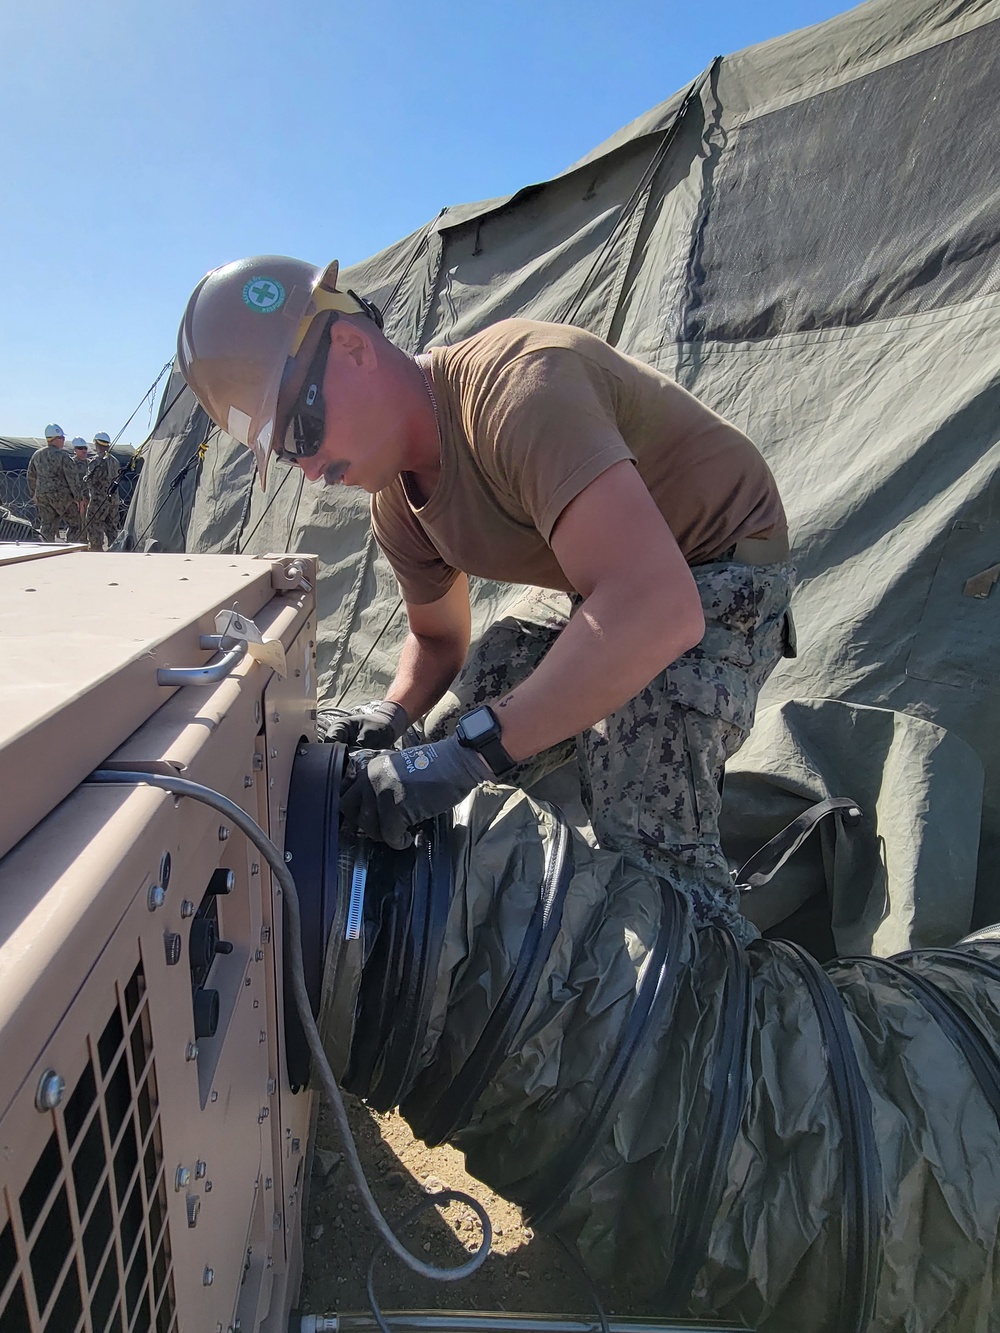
column 276, row 1222
column 182, row 1178
column 51, row 1087
column 208, row 1277
column 187, row 909
column 282, row 811
column 247, row 780
column 258, row 762
column 272, row 1086
column 273, row 752
column 193, row 1209
column 296, row 1146
column 288, row 856
column 191, row 1053
column 265, row 934
column 268, row 1182
column 156, row 897
column 200, row 1168
column 258, row 955
column 262, row 1038
column 276, row 716
column 256, row 711
column 223, row 833
column 265, row 1111
column 254, row 867
column 165, row 869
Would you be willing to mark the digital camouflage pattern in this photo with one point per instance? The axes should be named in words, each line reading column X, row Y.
column 651, row 773
column 76, row 527
column 54, row 485
column 102, row 493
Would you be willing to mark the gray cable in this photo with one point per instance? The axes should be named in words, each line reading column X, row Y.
column 183, row 787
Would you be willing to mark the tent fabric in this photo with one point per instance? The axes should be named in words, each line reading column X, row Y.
column 808, row 238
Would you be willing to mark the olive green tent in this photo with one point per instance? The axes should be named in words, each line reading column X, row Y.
column 808, row 237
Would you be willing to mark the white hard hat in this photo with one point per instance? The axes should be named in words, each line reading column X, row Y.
column 79, row 442
column 54, row 432
column 102, row 437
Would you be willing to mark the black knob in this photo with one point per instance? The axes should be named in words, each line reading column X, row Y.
column 204, row 940
column 206, row 1012
column 222, row 881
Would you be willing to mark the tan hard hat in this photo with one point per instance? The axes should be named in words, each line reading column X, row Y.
column 245, row 333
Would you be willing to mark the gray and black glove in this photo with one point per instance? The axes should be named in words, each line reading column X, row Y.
column 375, row 726
column 391, row 793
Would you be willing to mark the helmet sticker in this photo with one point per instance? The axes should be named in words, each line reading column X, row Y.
column 265, row 295
column 239, row 425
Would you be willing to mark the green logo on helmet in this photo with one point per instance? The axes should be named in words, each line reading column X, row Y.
column 265, row 295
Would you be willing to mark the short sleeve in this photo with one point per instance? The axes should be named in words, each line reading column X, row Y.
column 548, row 429
column 423, row 576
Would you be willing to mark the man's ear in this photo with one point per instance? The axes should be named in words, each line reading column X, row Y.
column 351, row 342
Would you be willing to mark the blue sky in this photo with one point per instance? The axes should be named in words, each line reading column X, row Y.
column 146, row 143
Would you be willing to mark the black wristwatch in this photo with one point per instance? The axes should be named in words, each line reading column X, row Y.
column 479, row 730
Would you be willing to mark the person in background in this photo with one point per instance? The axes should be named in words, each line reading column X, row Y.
column 76, row 529
column 102, row 493
column 54, row 484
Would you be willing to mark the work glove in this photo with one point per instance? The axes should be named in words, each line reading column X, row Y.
column 391, row 793
column 374, row 726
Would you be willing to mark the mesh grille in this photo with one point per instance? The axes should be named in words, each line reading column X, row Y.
column 85, row 1246
column 868, row 201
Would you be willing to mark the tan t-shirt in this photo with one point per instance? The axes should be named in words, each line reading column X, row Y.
column 531, row 414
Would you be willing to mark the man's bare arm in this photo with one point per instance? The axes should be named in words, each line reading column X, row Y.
column 641, row 611
column 434, row 650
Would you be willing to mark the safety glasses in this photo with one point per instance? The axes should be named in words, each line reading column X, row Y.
column 306, row 422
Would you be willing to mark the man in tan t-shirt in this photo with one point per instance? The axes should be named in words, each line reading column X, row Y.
column 533, row 454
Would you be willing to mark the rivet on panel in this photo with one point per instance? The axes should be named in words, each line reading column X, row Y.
column 208, row 1277
column 191, row 1053
column 182, row 1177
column 51, row 1087
column 156, row 897
column 165, row 869
column 200, row 1169
column 223, row 833
column 187, row 909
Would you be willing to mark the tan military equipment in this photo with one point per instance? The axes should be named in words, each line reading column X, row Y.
column 152, row 1169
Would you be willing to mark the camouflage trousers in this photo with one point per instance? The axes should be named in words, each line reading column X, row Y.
column 651, row 773
column 101, row 524
column 52, row 516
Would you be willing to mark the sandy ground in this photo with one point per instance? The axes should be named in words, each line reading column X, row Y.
column 524, row 1272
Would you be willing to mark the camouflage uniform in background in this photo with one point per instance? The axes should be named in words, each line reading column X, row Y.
column 54, row 485
column 102, row 509
column 651, row 773
column 76, row 527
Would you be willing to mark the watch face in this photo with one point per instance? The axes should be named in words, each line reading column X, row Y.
column 478, row 723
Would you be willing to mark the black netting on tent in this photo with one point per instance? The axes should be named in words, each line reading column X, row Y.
column 874, row 199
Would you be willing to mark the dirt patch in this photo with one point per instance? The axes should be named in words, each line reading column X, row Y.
column 525, row 1272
